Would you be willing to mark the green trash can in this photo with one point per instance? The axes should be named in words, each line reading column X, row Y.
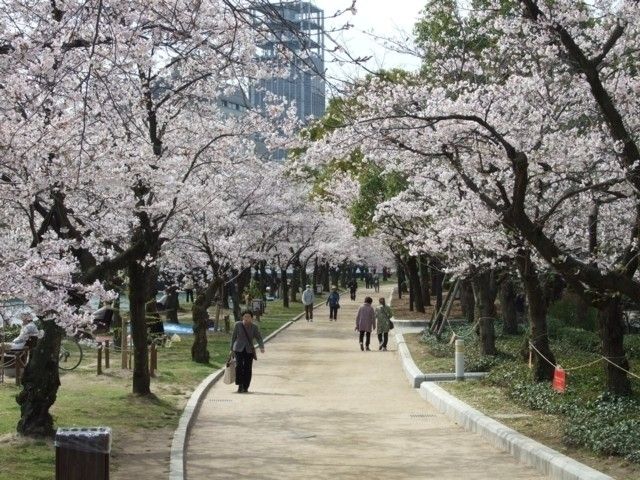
column 83, row 453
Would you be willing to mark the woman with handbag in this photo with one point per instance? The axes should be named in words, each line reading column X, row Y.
column 244, row 332
column 383, row 317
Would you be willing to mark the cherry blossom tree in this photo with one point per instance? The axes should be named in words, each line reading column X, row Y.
column 540, row 145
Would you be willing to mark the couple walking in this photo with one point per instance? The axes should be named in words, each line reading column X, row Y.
column 366, row 322
column 333, row 301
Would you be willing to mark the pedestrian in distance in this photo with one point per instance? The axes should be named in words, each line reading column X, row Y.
column 307, row 301
column 376, row 284
column 365, row 323
column 333, row 300
column 353, row 287
column 244, row 333
column 383, row 319
column 188, row 286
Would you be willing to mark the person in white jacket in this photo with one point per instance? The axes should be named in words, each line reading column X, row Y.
column 28, row 330
column 307, row 301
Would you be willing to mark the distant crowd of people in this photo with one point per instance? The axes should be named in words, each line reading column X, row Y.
column 367, row 320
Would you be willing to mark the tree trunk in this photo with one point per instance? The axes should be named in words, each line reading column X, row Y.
column 400, row 279
column 467, row 301
column 326, row 278
column 508, row 295
column 485, row 294
column 40, row 383
column 225, row 295
column 612, row 335
column 316, row 275
column 285, row 287
column 137, row 312
column 414, row 281
column 542, row 369
column 295, row 282
column 425, row 281
column 199, row 351
column 264, row 279
column 437, row 277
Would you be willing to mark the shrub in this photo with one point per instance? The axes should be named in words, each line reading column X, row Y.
column 608, row 425
column 437, row 347
column 474, row 362
column 579, row 338
column 632, row 346
column 540, row 396
column 565, row 310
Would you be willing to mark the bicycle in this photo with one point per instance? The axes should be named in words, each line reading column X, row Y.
column 70, row 354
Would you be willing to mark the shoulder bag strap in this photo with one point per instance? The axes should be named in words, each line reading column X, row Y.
column 250, row 339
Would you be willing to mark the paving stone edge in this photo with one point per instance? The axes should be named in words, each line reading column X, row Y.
column 544, row 459
column 177, row 461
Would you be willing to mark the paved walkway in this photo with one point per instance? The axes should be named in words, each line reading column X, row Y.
column 321, row 408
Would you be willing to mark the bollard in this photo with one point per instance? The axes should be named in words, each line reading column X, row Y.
column 459, row 359
column 107, row 363
column 99, row 358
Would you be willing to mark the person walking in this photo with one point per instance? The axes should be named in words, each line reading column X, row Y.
column 383, row 318
column 307, row 301
column 353, row 287
column 188, row 287
column 365, row 323
column 244, row 332
column 333, row 300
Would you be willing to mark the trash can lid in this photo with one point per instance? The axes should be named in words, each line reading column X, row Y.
column 84, row 439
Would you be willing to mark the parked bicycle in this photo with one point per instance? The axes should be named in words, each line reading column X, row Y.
column 70, row 354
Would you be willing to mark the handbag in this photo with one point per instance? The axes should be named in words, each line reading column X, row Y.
column 230, row 371
column 391, row 325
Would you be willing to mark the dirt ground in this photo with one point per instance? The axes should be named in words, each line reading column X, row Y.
column 401, row 308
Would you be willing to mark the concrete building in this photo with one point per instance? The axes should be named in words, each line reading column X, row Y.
column 298, row 27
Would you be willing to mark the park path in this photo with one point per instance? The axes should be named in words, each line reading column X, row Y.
column 321, row 408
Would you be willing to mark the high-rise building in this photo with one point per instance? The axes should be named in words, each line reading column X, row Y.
column 297, row 28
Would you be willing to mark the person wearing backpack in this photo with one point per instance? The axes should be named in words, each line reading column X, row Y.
column 333, row 300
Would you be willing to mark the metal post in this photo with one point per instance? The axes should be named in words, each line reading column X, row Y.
column 100, row 358
column 459, row 359
column 124, row 345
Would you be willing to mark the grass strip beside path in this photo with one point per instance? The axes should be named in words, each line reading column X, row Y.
column 142, row 427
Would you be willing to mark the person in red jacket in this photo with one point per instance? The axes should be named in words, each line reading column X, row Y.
column 365, row 322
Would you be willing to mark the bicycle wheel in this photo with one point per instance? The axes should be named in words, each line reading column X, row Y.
column 70, row 354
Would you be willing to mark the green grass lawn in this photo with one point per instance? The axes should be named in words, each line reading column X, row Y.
column 86, row 399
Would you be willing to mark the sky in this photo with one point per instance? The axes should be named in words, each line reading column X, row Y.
column 382, row 18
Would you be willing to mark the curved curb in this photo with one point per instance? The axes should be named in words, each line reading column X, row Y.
column 412, row 372
column 544, row 459
column 415, row 375
column 177, row 462
column 534, row 454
